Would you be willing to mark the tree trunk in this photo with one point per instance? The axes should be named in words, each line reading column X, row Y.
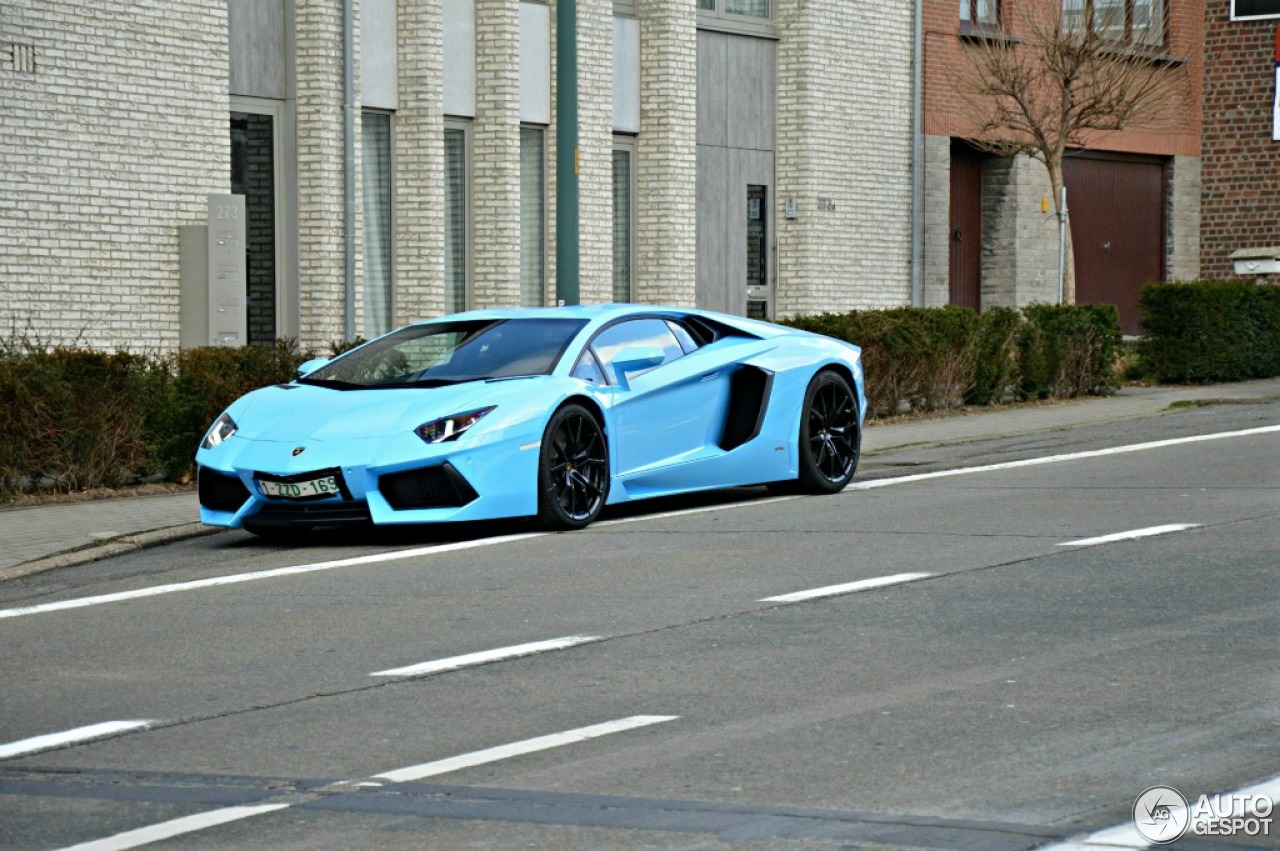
column 1068, row 255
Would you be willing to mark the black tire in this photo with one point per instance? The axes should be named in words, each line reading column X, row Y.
column 830, row 439
column 573, row 470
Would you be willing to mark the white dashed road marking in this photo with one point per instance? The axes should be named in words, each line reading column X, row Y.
column 848, row 588
column 541, row 743
column 176, row 827
column 486, row 656
column 1149, row 532
column 80, row 734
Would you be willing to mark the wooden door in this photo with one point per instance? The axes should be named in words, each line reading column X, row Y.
column 1117, row 229
column 965, row 274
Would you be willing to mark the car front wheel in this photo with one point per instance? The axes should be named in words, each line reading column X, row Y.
column 830, row 439
column 573, row 470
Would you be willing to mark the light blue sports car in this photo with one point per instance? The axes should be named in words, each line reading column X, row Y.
column 545, row 412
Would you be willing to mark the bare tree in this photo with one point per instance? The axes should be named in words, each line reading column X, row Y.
column 1055, row 83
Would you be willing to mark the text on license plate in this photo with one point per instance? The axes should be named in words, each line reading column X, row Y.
column 323, row 486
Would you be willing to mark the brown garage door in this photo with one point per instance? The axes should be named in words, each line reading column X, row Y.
column 1117, row 229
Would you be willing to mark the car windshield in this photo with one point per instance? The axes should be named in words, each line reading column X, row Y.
column 446, row 352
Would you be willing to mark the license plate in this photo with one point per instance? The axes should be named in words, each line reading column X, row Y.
column 323, row 486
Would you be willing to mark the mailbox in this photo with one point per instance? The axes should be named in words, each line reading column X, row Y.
column 213, row 276
column 1257, row 261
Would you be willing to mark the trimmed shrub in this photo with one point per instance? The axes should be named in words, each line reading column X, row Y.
column 70, row 418
column 1206, row 331
column 73, row 419
column 1065, row 351
column 995, row 363
column 203, row 381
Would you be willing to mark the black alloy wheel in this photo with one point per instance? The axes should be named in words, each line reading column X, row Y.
column 573, row 470
column 830, row 439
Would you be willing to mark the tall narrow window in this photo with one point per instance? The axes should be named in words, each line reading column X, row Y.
column 757, row 251
column 455, row 219
column 982, row 13
column 533, row 215
column 375, row 158
column 1141, row 22
column 253, row 176
column 622, row 218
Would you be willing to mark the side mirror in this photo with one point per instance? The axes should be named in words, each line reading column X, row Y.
column 636, row 359
column 311, row 366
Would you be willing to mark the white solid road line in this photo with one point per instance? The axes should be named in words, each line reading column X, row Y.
column 541, row 743
column 1056, row 459
column 453, row 663
column 176, row 827
column 486, row 542
column 235, row 579
column 1148, row 532
column 847, row 588
column 80, row 734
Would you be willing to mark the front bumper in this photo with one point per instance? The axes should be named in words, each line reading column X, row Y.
column 397, row 480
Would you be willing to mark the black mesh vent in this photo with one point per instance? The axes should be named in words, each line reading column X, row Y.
column 219, row 492
column 428, row 487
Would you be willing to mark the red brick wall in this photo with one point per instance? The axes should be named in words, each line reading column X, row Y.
column 1240, row 165
column 948, row 112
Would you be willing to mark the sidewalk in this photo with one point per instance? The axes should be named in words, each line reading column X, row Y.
column 41, row 538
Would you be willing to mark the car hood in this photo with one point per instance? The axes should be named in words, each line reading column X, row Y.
column 298, row 412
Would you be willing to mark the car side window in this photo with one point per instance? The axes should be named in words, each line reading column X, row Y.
column 630, row 334
column 588, row 370
column 682, row 334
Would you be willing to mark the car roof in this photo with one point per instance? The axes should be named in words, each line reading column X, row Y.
column 597, row 315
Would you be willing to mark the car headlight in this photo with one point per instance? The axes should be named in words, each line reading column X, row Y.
column 451, row 427
column 223, row 427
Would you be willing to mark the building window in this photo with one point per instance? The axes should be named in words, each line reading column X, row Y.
column 457, row 216
column 1247, row 10
column 375, row 171
column 979, row 13
column 533, row 216
column 758, row 10
column 1140, row 22
column 623, row 210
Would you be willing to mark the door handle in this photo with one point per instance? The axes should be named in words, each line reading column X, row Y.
column 710, row 375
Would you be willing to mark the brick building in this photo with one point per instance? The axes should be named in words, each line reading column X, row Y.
column 991, row 237
column 1240, row 210
column 397, row 160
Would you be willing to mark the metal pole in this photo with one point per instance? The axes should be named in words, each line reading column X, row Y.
column 349, row 165
column 1061, row 246
column 567, row 259
column 917, row 162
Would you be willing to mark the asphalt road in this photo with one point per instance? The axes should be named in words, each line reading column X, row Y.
column 995, row 681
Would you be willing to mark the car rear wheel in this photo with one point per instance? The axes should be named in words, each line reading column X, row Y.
column 573, row 470
column 830, row 439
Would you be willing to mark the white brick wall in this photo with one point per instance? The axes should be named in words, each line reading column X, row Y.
column 111, row 144
column 419, row 162
column 666, row 153
column 496, row 155
column 844, row 155
column 320, row 123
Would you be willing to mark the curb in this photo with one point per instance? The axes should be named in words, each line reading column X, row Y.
column 106, row 549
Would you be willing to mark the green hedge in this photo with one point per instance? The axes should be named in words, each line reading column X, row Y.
column 1206, row 331
column 73, row 419
column 942, row 357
